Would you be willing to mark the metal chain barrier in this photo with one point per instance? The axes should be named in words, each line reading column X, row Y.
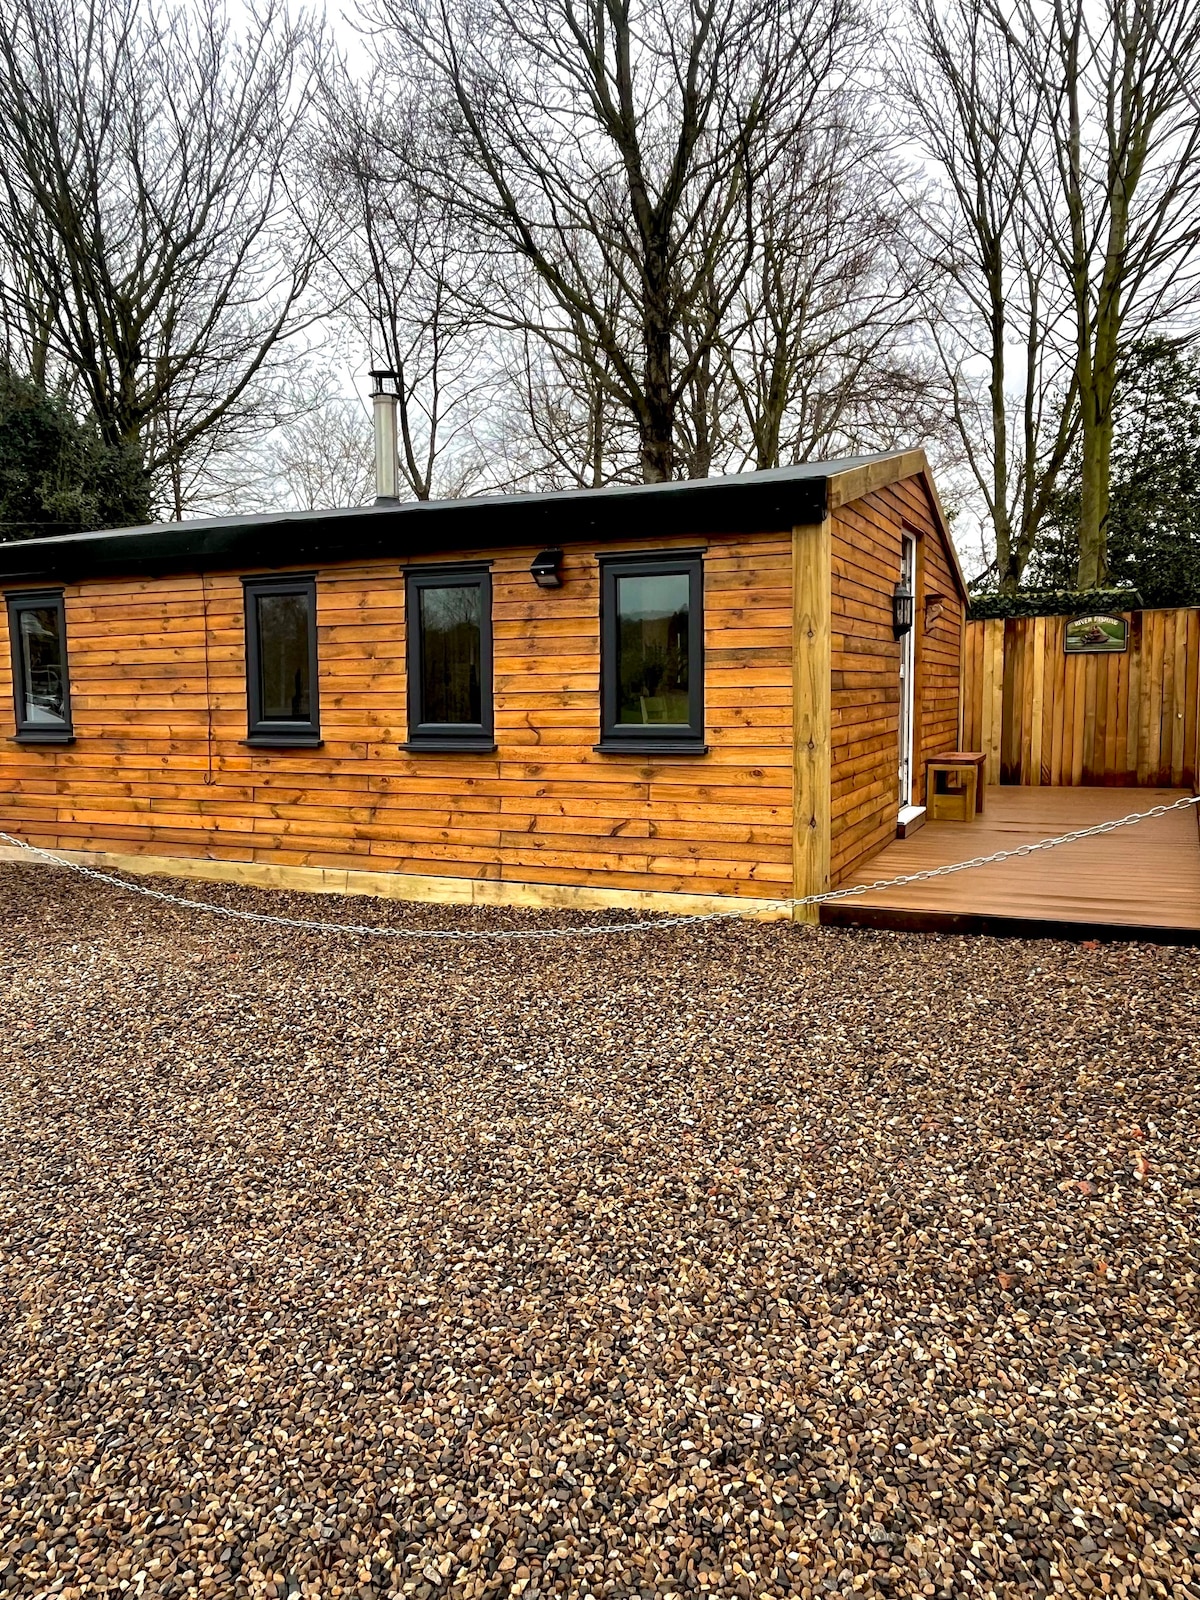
column 308, row 925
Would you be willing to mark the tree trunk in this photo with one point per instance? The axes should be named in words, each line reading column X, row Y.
column 1096, row 413
column 657, row 422
column 1095, row 475
column 1008, row 565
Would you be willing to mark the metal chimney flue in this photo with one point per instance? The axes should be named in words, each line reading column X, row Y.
column 384, row 395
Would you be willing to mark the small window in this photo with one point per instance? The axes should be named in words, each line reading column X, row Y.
column 37, row 627
column 281, row 661
column 652, row 654
column 449, row 612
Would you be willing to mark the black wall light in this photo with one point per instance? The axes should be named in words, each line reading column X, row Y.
column 547, row 569
column 902, row 610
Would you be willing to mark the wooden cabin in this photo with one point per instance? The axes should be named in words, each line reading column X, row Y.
column 672, row 696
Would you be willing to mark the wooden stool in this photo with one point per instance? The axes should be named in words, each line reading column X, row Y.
column 950, row 790
column 969, row 758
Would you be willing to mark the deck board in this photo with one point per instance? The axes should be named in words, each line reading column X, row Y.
column 1145, row 878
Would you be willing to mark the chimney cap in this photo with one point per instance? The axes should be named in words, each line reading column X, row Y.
column 379, row 375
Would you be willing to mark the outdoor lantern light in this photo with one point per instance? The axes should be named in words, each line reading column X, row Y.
column 547, row 569
column 902, row 610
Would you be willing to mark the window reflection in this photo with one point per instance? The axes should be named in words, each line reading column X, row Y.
column 652, row 635
column 284, row 657
column 452, row 654
column 43, row 666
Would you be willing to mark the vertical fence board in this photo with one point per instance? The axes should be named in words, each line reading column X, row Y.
column 1038, row 700
column 1058, row 695
column 1135, row 697
column 1180, row 701
column 991, row 721
column 1043, row 717
column 1157, row 642
column 1191, row 739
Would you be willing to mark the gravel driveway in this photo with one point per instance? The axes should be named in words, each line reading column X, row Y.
column 743, row 1261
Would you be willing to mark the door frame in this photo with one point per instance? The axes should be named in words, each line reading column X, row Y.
column 908, row 675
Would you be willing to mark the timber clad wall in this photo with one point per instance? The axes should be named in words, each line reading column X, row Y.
column 153, row 772
column 866, row 664
column 1044, row 717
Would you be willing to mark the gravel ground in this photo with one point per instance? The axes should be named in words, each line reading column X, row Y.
column 744, row 1261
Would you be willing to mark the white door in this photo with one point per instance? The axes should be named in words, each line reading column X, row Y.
column 908, row 576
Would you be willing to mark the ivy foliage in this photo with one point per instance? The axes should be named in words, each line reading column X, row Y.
column 1052, row 603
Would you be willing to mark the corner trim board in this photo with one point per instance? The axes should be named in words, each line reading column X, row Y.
column 812, row 601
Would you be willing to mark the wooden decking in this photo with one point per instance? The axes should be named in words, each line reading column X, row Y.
column 1140, row 882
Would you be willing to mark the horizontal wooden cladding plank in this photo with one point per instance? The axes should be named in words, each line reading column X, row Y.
column 767, row 569
column 735, row 839
column 555, row 769
column 150, row 661
column 718, row 656
column 366, row 792
column 850, row 770
column 517, row 649
column 855, row 681
column 711, row 848
column 859, row 738
column 865, row 705
column 115, row 640
column 89, row 707
column 870, row 550
column 560, row 682
column 133, row 616
column 726, row 718
column 80, row 789
column 527, row 815
column 747, row 594
column 135, row 591
column 763, row 636
column 854, row 614
column 748, row 762
column 653, row 858
column 875, row 784
column 570, row 664
column 739, row 675
column 653, row 861
column 865, row 655
column 875, row 563
column 881, row 804
column 867, row 833
column 698, row 815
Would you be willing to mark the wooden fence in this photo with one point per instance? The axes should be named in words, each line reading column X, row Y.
column 1045, row 717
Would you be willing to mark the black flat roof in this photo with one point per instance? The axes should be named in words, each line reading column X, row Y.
column 744, row 502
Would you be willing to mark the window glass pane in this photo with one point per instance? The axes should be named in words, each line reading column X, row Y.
column 451, row 654
column 44, row 667
column 283, row 654
column 652, row 637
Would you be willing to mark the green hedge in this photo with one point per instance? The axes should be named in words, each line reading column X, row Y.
column 1052, row 603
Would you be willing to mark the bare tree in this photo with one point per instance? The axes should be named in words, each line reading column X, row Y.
column 980, row 117
column 1068, row 139
column 149, row 253
column 403, row 271
column 1121, row 196
column 824, row 355
column 614, row 142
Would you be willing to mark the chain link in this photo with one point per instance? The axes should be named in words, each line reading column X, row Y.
column 460, row 936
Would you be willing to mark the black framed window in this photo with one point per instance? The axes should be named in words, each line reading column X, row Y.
column 449, row 621
column 652, row 654
column 281, row 661
column 37, row 628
